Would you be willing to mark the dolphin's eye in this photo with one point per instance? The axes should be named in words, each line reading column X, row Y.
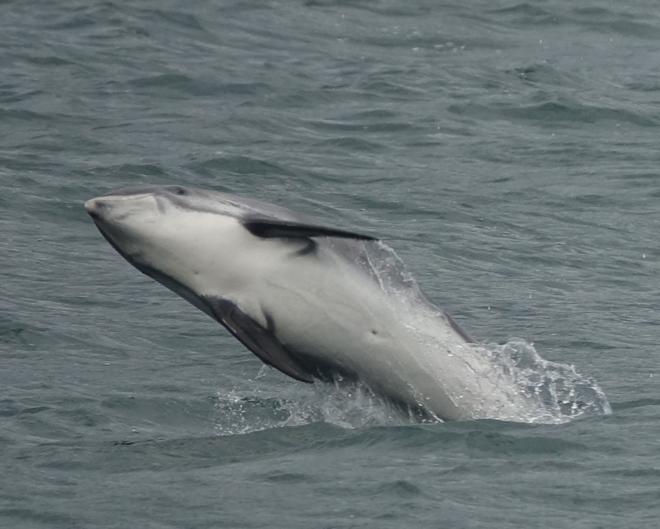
column 178, row 190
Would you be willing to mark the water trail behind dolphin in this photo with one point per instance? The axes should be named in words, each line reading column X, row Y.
column 559, row 392
column 527, row 387
column 353, row 406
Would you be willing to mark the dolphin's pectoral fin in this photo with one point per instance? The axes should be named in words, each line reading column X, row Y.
column 257, row 338
column 268, row 228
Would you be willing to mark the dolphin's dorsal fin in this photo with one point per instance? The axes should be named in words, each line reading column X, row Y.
column 268, row 228
column 257, row 338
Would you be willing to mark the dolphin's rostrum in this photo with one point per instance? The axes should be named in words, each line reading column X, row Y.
column 315, row 302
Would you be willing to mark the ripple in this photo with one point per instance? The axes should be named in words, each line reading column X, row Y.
column 528, row 14
column 187, row 85
column 286, row 477
column 523, row 8
column 545, row 74
column 243, row 165
column 400, row 488
column 42, row 516
column 559, row 111
column 364, row 127
column 352, row 143
column 392, row 10
column 178, row 19
column 498, row 443
column 638, row 403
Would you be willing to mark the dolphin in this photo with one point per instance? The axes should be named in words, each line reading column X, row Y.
column 315, row 302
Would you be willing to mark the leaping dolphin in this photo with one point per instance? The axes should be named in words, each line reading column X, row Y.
column 313, row 301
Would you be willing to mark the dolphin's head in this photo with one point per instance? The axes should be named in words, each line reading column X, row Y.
column 148, row 223
column 186, row 238
column 202, row 243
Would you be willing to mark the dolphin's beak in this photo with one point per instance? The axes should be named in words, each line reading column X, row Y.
column 95, row 207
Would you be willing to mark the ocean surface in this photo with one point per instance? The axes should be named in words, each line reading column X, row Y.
column 509, row 152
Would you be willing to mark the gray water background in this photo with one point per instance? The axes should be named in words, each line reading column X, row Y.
column 507, row 151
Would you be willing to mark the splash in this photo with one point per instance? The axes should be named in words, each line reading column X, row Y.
column 509, row 382
column 346, row 406
column 554, row 393
column 557, row 391
column 534, row 390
